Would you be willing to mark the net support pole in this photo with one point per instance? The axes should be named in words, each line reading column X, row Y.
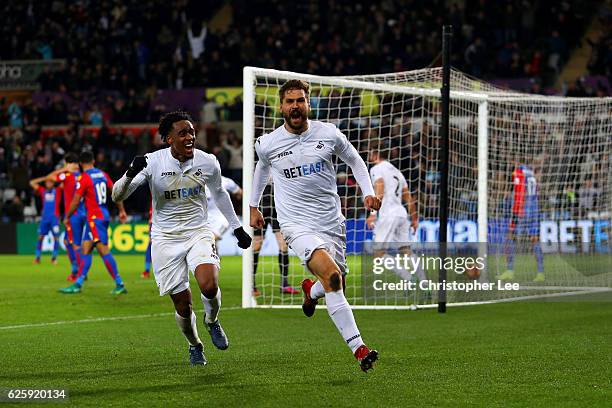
column 483, row 166
column 248, row 168
column 447, row 34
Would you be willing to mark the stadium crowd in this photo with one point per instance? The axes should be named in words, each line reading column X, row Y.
column 120, row 53
column 122, row 45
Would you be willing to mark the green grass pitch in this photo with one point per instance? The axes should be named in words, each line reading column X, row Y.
column 127, row 350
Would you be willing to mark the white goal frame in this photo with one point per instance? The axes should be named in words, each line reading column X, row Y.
column 482, row 99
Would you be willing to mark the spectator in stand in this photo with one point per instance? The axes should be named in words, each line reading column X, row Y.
column 556, row 51
column 600, row 61
column 15, row 115
column 95, row 116
column 223, row 156
column 475, row 57
column 12, row 211
column 197, row 39
column 209, row 116
column 233, row 144
column 143, row 143
column 102, row 161
column 18, row 177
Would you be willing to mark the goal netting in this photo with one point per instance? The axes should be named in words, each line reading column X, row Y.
column 529, row 186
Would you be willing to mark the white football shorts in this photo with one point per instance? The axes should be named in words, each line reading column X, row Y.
column 304, row 242
column 392, row 229
column 173, row 259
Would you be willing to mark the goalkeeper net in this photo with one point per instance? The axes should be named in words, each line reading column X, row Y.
column 529, row 186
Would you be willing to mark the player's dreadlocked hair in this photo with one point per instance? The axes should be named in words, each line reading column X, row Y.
column 167, row 120
column 294, row 84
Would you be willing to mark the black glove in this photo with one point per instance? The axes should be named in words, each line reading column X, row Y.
column 139, row 163
column 244, row 239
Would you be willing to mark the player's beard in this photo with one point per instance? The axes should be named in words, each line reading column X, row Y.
column 296, row 120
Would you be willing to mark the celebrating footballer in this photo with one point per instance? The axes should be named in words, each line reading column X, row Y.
column 182, row 240
column 299, row 156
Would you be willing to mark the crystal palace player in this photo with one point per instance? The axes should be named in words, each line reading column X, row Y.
column 525, row 220
column 50, row 196
column 181, row 239
column 92, row 186
column 299, row 155
column 67, row 177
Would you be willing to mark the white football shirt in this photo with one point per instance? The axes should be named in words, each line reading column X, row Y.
column 394, row 182
column 179, row 191
column 304, row 176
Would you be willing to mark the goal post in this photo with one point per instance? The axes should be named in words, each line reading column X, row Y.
column 248, row 168
column 447, row 35
column 490, row 130
column 483, row 166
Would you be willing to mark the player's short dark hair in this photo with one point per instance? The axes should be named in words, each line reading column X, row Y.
column 86, row 156
column 71, row 157
column 294, row 84
column 169, row 119
column 384, row 154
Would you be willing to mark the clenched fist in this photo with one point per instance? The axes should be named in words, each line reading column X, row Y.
column 139, row 163
column 372, row 203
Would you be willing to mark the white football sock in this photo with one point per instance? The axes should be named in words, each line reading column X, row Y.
column 212, row 307
column 342, row 316
column 189, row 328
column 317, row 291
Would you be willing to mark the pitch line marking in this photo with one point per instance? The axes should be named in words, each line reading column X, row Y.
column 97, row 319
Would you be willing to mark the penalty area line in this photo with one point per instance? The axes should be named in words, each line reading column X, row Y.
column 97, row 319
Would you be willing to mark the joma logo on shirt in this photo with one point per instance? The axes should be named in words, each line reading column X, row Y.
column 304, row 170
column 168, row 173
column 283, row 154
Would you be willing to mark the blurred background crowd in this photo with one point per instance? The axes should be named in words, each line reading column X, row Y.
column 118, row 57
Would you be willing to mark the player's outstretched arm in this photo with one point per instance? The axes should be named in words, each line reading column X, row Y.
column 34, row 183
column 131, row 180
column 53, row 175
